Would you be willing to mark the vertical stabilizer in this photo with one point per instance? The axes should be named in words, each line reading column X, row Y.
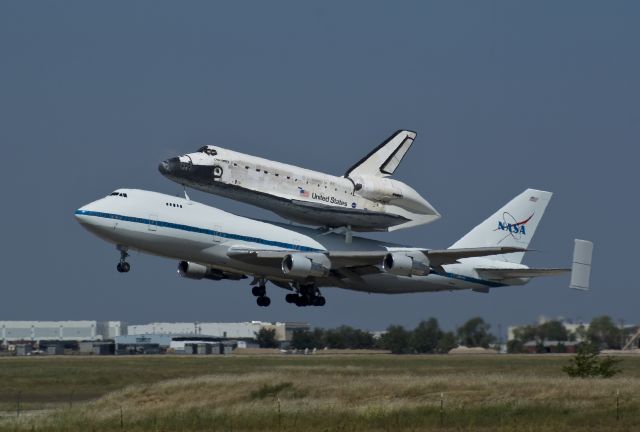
column 385, row 158
column 512, row 225
column 581, row 268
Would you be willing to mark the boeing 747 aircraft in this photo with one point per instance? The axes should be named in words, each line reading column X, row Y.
column 212, row 244
column 364, row 199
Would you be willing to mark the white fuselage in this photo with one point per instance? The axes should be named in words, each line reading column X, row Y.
column 365, row 203
column 181, row 229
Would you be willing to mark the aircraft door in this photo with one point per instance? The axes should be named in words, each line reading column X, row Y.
column 153, row 222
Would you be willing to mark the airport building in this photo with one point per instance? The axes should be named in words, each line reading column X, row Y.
column 11, row 331
column 243, row 330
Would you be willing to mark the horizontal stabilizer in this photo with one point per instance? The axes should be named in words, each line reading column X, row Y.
column 499, row 274
column 581, row 268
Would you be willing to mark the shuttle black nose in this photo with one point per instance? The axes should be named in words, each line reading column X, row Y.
column 169, row 166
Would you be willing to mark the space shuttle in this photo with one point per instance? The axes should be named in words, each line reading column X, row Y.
column 363, row 199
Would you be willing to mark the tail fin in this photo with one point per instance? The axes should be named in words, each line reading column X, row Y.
column 512, row 225
column 385, row 158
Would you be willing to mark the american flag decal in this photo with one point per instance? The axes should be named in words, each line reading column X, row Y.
column 303, row 192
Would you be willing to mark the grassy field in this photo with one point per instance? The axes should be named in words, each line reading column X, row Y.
column 313, row 393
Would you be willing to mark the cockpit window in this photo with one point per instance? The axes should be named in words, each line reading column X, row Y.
column 207, row 150
column 116, row 193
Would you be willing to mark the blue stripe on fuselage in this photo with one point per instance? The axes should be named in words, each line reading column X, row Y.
column 258, row 240
column 189, row 228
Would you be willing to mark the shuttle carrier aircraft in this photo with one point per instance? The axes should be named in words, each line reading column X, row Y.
column 212, row 244
column 364, row 199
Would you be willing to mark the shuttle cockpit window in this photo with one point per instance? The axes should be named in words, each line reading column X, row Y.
column 116, row 193
column 207, row 150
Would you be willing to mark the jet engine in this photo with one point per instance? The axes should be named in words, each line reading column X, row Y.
column 306, row 265
column 191, row 270
column 403, row 264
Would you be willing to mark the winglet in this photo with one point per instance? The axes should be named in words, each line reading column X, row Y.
column 581, row 268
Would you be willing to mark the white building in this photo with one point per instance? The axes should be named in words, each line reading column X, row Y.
column 243, row 330
column 59, row 330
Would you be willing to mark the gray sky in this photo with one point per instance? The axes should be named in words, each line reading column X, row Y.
column 503, row 95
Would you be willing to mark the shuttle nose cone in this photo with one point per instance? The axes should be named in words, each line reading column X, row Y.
column 169, row 166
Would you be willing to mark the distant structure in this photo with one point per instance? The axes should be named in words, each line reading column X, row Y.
column 242, row 330
column 26, row 338
column 579, row 330
column 60, row 330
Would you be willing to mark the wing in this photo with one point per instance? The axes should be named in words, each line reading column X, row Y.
column 358, row 259
column 502, row 274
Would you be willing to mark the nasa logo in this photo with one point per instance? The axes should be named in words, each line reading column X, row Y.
column 516, row 228
column 509, row 223
column 353, row 205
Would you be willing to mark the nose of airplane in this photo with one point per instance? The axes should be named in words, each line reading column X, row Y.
column 83, row 214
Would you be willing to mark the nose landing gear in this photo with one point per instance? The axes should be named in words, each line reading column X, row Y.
column 123, row 266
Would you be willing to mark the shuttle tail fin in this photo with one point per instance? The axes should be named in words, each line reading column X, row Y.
column 512, row 225
column 385, row 158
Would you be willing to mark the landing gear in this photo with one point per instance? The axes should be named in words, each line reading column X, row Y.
column 308, row 295
column 260, row 291
column 123, row 266
column 263, row 301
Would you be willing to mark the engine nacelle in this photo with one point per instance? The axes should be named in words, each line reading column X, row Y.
column 306, row 265
column 377, row 188
column 403, row 264
column 192, row 270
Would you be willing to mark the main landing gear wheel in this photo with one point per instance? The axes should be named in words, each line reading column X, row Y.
column 263, row 301
column 308, row 295
column 123, row 266
column 260, row 291
column 291, row 298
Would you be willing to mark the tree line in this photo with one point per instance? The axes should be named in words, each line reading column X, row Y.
column 601, row 332
column 426, row 338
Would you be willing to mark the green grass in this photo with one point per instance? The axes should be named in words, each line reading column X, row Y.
column 314, row 393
